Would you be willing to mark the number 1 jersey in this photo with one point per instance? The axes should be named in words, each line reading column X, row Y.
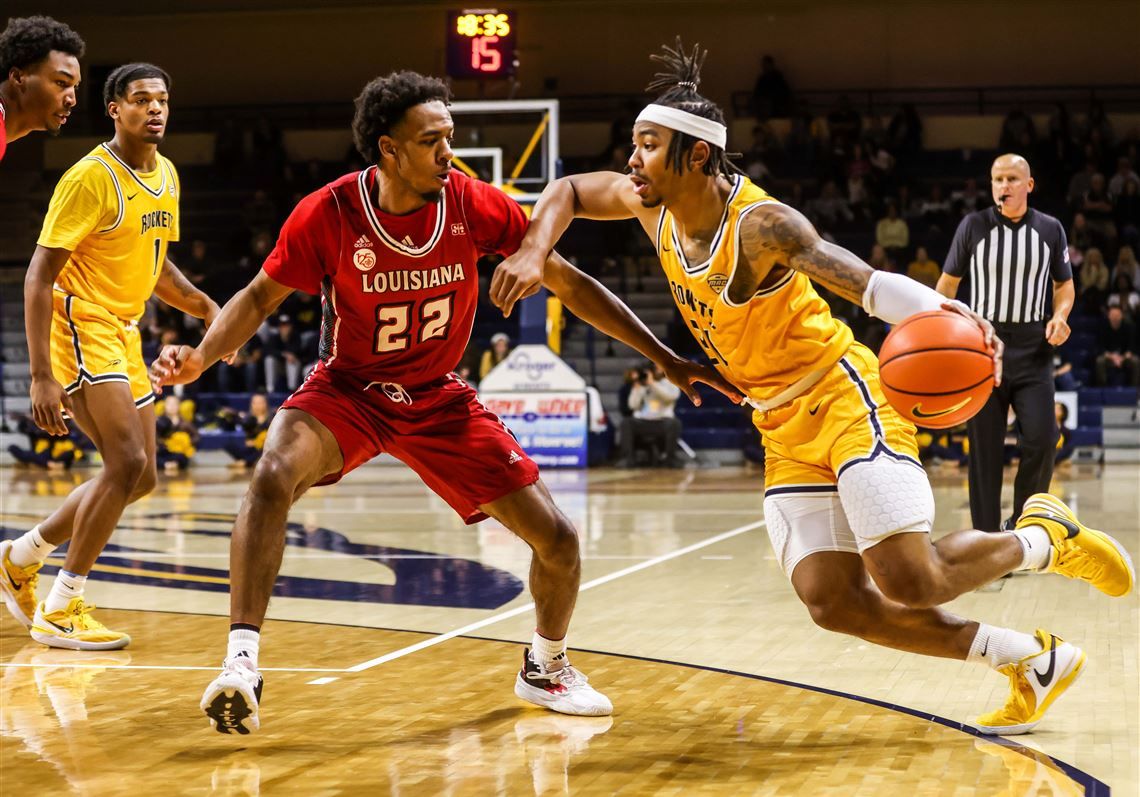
column 398, row 293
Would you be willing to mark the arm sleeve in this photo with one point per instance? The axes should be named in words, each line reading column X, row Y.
column 76, row 210
column 300, row 258
column 498, row 223
column 1059, row 265
column 958, row 258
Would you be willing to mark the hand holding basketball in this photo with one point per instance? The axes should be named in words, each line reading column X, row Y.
column 938, row 368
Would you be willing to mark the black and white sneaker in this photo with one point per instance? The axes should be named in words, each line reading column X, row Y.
column 232, row 699
column 565, row 690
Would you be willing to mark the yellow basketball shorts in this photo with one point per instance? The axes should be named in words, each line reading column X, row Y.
column 90, row 346
column 841, row 471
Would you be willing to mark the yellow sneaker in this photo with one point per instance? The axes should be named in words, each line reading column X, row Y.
column 1078, row 551
column 75, row 629
column 18, row 586
column 1035, row 682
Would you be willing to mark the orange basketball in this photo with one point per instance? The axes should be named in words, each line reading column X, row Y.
column 936, row 370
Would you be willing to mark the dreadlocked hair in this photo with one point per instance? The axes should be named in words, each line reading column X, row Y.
column 678, row 84
column 383, row 103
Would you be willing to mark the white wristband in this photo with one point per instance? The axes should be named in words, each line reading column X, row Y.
column 894, row 297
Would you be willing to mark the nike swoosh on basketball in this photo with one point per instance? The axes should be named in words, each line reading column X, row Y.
column 918, row 412
column 1046, row 678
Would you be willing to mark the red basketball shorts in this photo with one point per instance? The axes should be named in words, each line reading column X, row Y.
column 441, row 430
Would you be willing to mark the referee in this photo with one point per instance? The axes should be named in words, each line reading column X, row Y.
column 1011, row 252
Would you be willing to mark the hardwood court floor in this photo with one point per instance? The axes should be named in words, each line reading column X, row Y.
column 676, row 568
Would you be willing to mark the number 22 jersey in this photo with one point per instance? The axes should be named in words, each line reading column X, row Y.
column 398, row 293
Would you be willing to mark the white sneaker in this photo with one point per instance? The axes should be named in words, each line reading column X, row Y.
column 232, row 699
column 565, row 690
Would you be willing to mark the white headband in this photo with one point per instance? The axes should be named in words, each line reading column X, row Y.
column 682, row 121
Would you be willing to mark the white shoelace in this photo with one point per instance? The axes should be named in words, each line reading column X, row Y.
column 567, row 676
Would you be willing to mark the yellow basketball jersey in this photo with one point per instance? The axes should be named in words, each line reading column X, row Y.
column 779, row 336
column 117, row 223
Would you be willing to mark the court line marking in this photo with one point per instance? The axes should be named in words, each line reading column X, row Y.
column 597, row 582
column 79, row 666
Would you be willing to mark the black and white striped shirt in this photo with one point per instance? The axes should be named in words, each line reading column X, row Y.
column 1010, row 263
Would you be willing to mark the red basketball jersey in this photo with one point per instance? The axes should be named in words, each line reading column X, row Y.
column 398, row 293
column 3, row 132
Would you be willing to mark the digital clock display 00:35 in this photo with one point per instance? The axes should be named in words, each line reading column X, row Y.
column 480, row 43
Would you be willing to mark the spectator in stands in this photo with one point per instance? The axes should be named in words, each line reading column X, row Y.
column 500, row 348
column 1079, row 183
column 245, row 373
column 968, row 199
column 652, row 399
column 197, row 266
column 829, row 210
column 1096, row 205
column 267, row 150
column 1080, row 235
column 255, row 424
column 892, row 233
column 771, row 97
column 1093, row 278
column 1061, row 135
column 1063, row 377
column 764, row 151
column 936, row 446
column 1117, row 343
column 1124, row 173
column 284, row 355
column 1016, row 128
column 936, row 211
column 176, row 435
column 1126, row 264
column 1065, row 445
column 879, row 259
column 845, row 126
column 1097, row 125
column 1127, row 214
column 1125, row 296
column 923, row 269
column 44, row 450
column 904, row 134
column 260, row 214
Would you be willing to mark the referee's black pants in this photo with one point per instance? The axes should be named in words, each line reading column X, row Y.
column 1027, row 384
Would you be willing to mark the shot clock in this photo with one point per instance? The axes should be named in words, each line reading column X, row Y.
column 481, row 43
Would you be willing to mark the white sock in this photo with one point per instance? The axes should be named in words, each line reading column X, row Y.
column 67, row 586
column 1037, row 543
column 997, row 646
column 244, row 642
column 30, row 549
column 548, row 652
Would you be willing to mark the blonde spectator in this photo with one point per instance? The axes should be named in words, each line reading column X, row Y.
column 500, row 348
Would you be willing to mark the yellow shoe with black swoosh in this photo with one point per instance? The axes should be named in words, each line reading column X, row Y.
column 18, row 586
column 1078, row 551
column 1035, row 683
column 73, row 628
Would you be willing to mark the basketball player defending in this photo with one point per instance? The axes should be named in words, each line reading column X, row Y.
column 845, row 495
column 393, row 250
column 39, row 70
column 101, row 256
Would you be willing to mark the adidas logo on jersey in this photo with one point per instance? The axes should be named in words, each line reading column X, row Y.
column 362, row 242
column 407, row 241
column 515, row 457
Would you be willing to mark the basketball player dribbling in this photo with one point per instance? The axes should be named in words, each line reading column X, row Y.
column 849, row 507
column 392, row 251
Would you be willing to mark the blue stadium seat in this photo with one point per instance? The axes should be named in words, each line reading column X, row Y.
column 1090, row 397
column 1084, row 436
column 1120, row 397
column 1090, row 416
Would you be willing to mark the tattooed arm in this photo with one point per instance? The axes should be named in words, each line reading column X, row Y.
column 777, row 237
